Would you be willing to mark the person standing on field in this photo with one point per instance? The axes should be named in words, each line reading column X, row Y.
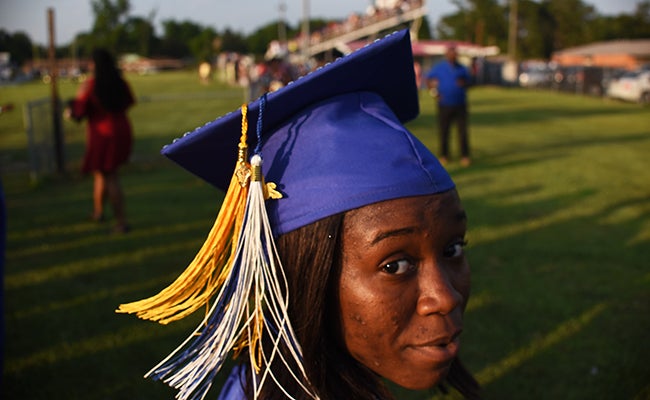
column 103, row 101
column 447, row 82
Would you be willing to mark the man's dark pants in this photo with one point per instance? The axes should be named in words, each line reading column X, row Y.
column 446, row 116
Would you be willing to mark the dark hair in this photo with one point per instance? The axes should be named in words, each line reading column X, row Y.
column 110, row 88
column 311, row 257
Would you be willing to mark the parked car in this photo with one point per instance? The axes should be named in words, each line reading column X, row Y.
column 535, row 75
column 631, row 86
column 591, row 81
column 586, row 80
column 564, row 78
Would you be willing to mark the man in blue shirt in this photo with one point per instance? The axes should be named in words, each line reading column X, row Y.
column 447, row 82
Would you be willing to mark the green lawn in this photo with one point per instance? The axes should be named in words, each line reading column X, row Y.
column 559, row 208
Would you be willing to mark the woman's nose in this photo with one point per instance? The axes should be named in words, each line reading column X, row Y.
column 437, row 292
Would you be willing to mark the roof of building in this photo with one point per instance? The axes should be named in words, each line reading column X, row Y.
column 439, row 47
column 636, row 47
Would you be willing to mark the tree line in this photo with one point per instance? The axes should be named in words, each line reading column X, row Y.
column 542, row 27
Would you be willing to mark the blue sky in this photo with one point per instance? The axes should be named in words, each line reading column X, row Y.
column 75, row 16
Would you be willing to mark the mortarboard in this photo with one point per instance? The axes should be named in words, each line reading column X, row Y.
column 307, row 117
column 331, row 141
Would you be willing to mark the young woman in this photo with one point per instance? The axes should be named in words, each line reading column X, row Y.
column 385, row 287
column 103, row 100
column 370, row 280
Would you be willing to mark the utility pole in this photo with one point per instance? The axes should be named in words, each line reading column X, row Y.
column 510, row 71
column 282, row 30
column 56, row 104
column 305, row 29
column 512, row 30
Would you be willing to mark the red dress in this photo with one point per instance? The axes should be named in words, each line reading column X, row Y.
column 109, row 136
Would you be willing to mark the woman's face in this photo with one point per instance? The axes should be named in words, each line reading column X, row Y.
column 404, row 286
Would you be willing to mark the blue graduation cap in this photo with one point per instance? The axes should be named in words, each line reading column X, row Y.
column 331, row 141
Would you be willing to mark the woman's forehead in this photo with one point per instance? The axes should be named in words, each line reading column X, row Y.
column 395, row 210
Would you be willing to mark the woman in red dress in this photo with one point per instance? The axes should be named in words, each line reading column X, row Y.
column 104, row 100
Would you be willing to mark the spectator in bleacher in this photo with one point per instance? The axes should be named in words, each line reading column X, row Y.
column 103, row 101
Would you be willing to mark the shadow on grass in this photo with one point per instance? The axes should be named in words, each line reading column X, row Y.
column 531, row 307
column 560, row 290
column 65, row 277
column 541, row 114
column 571, row 294
column 566, row 144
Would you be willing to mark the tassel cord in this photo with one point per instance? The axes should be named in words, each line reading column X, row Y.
column 269, row 292
column 191, row 367
column 207, row 272
column 199, row 282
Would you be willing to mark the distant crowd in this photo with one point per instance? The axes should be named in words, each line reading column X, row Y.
column 276, row 70
column 380, row 10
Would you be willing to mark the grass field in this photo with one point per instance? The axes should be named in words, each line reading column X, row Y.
column 559, row 243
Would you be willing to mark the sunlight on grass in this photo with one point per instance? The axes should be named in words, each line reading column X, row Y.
column 562, row 332
column 126, row 336
column 85, row 267
column 94, row 239
column 85, row 235
column 495, row 233
column 642, row 236
column 49, row 307
column 634, row 210
column 477, row 301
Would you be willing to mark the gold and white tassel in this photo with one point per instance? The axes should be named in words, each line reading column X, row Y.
column 206, row 273
column 251, row 303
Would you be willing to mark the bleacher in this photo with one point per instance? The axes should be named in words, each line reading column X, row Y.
column 380, row 19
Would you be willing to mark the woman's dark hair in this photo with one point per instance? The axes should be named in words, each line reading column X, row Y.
column 311, row 257
column 110, row 88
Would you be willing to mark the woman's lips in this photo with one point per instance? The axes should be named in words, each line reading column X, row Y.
column 440, row 351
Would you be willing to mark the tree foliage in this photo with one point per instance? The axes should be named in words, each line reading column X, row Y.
column 109, row 26
column 17, row 44
column 573, row 22
column 544, row 26
column 635, row 26
column 537, row 27
column 176, row 38
column 139, row 36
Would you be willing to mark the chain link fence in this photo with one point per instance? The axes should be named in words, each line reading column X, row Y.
column 39, row 126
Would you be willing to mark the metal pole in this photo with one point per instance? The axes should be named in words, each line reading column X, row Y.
column 305, row 29
column 512, row 30
column 56, row 106
column 282, row 30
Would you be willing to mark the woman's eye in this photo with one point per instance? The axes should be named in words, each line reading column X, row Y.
column 398, row 267
column 456, row 249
